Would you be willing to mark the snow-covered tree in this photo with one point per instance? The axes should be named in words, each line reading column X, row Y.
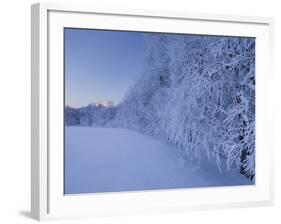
column 71, row 116
column 240, row 123
column 198, row 92
column 142, row 104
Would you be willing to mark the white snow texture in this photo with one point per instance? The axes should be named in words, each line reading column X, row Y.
column 112, row 159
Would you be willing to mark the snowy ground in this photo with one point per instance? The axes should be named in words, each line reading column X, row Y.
column 107, row 160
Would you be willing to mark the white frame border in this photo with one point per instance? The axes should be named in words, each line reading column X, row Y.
column 40, row 105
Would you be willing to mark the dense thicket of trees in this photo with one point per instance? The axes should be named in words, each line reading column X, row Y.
column 197, row 92
column 90, row 115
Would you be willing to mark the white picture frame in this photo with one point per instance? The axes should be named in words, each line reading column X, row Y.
column 47, row 198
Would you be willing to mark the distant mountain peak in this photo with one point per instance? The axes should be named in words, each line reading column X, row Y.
column 103, row 104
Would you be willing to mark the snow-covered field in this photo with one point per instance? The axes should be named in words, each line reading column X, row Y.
column 108, row 159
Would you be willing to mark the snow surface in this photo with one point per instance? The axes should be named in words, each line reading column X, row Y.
column 112, row 160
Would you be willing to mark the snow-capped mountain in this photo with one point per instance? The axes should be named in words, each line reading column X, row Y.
column 103, row 104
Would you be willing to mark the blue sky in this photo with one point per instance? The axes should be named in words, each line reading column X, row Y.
column 101, row 65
